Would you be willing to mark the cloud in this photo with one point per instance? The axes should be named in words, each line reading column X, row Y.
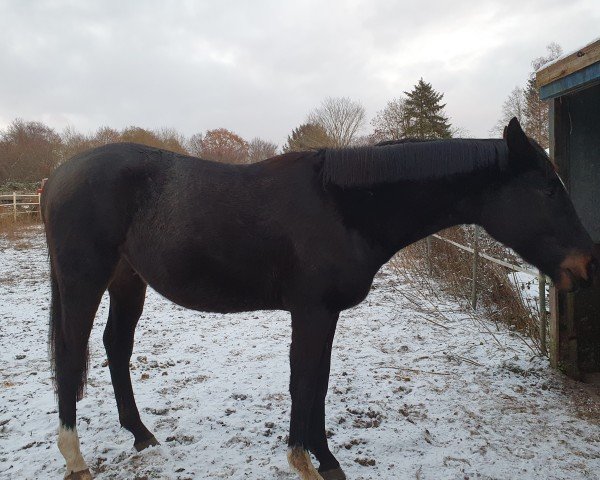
column 259, row 67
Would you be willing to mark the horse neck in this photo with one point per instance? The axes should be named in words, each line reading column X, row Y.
column 393, row 216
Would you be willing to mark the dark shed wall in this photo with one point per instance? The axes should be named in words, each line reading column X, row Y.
column 583, row 109
column 575, row 131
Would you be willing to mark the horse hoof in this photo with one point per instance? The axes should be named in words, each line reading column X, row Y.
column 80, row 475
column 151, row 442
column 335, row 474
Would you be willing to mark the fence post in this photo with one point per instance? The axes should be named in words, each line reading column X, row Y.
column 40, row 205
column 429, row 264
column 15, row 206
column 542, row 294
column 474, row 271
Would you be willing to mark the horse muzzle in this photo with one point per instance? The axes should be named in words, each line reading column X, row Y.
column 577, row 271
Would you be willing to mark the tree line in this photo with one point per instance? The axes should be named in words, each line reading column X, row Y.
column 30, row 150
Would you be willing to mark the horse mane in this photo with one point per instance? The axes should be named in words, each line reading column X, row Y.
column 410, row 159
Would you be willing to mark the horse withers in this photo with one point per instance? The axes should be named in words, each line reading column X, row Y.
column 302, row 232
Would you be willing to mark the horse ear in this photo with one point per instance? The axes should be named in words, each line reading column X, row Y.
column 517, row 141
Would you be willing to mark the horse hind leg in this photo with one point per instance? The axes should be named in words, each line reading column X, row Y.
column 75, row 299
column 127, row 294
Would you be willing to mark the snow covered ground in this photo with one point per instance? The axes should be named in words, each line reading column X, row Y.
column 415, row 392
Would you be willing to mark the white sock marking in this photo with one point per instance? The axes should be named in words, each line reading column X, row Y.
column 299, row 460
column 68, row 444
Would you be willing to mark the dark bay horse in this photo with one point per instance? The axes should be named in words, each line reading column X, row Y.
column 302, row 232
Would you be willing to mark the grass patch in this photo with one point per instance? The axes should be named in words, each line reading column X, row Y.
column 17, row 231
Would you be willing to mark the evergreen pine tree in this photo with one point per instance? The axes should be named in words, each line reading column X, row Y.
column 426, row 118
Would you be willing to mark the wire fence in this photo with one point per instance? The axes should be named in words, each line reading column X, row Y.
column 477, row 255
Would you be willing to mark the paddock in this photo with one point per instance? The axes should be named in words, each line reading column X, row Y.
column 420, row 388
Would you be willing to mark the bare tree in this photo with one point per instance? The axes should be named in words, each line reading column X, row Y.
column 459, row 132
column 74, row 142
column 536, row 110
column 340, row 117
column 140, row 135
column 194, row 144
column 165, row 138
column 259, row 149
column 513, row 106
column 553, row 51
column 525, row 104
column 364, row 141
column 106, row 135
column 392, row 122
column 172, row 140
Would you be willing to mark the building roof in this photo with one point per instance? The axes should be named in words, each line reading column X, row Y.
column 575, row 70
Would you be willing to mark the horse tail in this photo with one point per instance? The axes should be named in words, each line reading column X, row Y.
column 54, row 334
column 61, row 349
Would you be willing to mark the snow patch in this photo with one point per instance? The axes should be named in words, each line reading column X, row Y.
column 415, row 392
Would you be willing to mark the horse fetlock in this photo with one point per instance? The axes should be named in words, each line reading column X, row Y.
column 68, row 444
column 128, row 422
column 299, row 461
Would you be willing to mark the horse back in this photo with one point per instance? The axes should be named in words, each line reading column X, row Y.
column 205, row 235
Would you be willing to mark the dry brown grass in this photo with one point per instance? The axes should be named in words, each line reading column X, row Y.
column 501, row 299
column 17, row 231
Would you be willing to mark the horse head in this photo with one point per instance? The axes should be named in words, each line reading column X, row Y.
column 528, row 209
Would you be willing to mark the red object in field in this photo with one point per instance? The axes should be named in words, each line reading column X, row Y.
column 42, row 183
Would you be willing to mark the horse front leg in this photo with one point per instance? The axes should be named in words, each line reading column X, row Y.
column 329, row 467
column 311, row 329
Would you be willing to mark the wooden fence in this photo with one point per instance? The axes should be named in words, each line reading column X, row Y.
column 542, row 280
column 15, row 204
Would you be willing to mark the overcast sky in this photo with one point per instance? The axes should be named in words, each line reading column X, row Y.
column 258, row 67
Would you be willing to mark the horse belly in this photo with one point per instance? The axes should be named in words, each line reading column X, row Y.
column 201, row 283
